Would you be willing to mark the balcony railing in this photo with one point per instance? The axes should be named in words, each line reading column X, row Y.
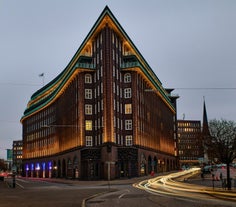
column 130, row 64
column 85, row 65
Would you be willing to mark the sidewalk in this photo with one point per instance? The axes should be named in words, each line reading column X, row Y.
column 209, row 184
column 123, row 181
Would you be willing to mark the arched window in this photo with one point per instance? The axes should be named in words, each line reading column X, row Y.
column 127, row 78
column 88, row 78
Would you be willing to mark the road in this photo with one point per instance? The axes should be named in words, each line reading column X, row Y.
column 162, row 191
column 170, row 185
column 39, row 193
column 165, row 191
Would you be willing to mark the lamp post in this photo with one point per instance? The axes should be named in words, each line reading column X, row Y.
column 213, row 180
column 13, row 178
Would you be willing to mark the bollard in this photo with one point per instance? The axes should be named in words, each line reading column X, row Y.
column 13, row 180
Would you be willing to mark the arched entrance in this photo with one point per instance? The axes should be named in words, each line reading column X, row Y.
column 59, row 169
column 63, row 168
column 75, row 167
column 149, row 164
column 143, row 166
column 69, row 173
column 155, row 164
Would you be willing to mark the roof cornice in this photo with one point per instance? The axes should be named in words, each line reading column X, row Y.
column 105, row 18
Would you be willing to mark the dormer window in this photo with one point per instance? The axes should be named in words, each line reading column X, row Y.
column 88, row 78
column 127, row 78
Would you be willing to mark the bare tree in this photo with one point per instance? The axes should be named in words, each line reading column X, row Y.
column 223, row 143
column 2, row 165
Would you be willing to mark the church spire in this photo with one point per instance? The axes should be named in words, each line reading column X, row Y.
column 205, row 133
column 205, row 127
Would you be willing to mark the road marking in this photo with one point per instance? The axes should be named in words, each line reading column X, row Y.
column 123, row 194
column 20, row 185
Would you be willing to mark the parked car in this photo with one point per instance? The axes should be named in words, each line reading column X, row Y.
column 207, row 169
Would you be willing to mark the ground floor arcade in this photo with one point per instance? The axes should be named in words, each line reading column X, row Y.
column 99, row 163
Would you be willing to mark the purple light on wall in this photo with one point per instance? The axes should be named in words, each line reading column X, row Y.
column 32, row 166
column 37, row 166
column 50, row 165
column 27, row 167
column 44, row 165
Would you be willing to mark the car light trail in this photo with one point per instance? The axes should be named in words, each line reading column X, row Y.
column 169, row 185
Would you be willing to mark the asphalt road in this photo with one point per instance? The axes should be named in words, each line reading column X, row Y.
column 30, row 193
column 131, row 197
column 65, row 193
column 166, row 191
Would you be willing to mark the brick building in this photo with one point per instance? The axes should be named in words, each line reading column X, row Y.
column 105, row 116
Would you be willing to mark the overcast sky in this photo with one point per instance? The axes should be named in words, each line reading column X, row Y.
column 188, row 44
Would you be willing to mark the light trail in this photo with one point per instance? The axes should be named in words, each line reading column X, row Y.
column 169, row 186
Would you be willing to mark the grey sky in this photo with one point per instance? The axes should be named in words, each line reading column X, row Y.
column 188, row 43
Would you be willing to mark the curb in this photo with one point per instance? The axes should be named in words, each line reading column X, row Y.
column 94, row 196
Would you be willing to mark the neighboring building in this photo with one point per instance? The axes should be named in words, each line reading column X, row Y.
column 105, row 116
column 3, row 166
column 9, row 159
column 17, row 149
column 190, row 145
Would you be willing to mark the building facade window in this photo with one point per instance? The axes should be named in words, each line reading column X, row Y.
column 88, row 109
column 88, row 78
column 127, row 93
column 128, row 140
column 89, row 141
column 127, row 78
column 88, row 125
column 88, row 94
column 128, row 124
column 128, row 108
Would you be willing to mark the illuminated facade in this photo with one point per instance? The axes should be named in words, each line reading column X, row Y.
column 105, row 116
column 190, row 142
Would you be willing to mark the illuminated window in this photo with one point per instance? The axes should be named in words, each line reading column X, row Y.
column 89, row 141
column 128, row 108
column 88, row 125
column 127, row 78
column 88, row 78
column 128, row 124
column 128, row 140
column 88, row 93
column 127, row 93
column 88, row 109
